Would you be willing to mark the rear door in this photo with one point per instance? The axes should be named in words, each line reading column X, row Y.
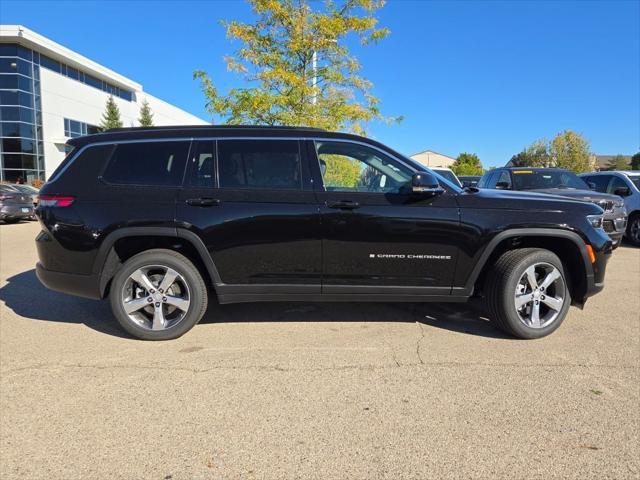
column 252, row 204
column 376, row 237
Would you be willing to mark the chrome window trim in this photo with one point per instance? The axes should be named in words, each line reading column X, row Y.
column 245, row 137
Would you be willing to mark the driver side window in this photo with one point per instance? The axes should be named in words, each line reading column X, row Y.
column 350, row 167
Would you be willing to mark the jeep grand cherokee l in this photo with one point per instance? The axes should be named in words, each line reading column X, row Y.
column 159, row 219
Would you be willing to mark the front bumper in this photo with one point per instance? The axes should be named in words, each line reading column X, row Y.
column 615, row 228
column 74, row 284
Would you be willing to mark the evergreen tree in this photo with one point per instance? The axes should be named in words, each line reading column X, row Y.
column 111, row 116
column 146, row 117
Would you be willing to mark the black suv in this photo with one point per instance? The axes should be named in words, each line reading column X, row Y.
column 156, row 219
column 558, row 181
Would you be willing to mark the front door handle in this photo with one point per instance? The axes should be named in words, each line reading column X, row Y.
column 342, row 204
column 203, row 202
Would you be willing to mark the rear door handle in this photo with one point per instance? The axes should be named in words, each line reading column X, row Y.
column 343, row 204
column 203, row 202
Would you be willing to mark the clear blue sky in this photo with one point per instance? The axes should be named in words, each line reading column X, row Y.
column 483, row 77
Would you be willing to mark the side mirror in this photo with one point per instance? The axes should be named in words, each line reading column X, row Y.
column 503, row 186
column 426, row 184
column 591, row 185
column 622, row 191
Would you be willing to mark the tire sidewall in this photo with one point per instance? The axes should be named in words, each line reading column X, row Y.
column 184, row 268
column 507, row 300
column 634, row 219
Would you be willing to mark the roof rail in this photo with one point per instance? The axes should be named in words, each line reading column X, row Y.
column 208, row 127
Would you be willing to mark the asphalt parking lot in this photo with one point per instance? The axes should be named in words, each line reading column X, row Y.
column 289, row 390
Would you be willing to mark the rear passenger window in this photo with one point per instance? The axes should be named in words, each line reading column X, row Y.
column 148, row 163
column 259, row 164
column 202, row 164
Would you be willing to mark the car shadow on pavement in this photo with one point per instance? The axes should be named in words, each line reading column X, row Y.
column 28, row 298
column 468, row 318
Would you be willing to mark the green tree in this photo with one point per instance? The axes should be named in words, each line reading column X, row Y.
column 146, row 116
column 298, row 67
column 635, row 162
column 535, row 155
column 111, row 115
column 340, row 171
column 467, row 164
column 619, row 162
column 570, row 150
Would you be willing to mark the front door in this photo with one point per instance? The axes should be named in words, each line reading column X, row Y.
column 378, row 237
column 252, row 203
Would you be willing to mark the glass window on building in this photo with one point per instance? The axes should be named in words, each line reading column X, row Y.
column 74, row 128
column 21, row 146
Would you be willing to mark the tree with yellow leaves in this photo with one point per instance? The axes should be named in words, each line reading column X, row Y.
column 297, row 67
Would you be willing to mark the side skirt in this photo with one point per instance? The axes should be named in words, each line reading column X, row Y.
column 335, row 297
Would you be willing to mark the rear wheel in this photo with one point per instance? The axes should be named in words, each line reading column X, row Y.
column 158, row 295
column 633, row 229
column 527, row 294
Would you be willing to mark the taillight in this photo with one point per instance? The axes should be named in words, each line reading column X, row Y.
column 55, row 200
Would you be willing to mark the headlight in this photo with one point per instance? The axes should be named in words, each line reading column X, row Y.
column 595, row 220
column 618, row 203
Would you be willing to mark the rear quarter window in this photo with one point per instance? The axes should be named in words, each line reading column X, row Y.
column 147, row 163
column 83, row 167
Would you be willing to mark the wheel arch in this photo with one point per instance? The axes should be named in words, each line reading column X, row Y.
column 123, row 243
column 568, row 246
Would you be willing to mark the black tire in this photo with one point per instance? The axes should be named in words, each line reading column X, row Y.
column 195, row 286
column 502, row 281
column 633, row 230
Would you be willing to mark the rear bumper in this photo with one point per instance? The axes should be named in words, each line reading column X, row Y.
column 81, row 285
column 15, row 211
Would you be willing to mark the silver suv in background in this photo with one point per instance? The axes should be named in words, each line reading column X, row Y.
column 625, row 184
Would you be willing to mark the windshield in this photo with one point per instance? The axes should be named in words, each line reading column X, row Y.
column 422, row 168
column 540, row 179
column 449, row 175
column 636, row 180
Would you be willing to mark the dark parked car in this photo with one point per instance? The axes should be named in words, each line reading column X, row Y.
column 627, row 185
column 158, row 219
column 31, row 191
column 14, row 205
column 557, row 181
column 470, row 180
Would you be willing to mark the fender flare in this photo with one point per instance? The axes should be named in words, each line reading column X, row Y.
column 524, row 232
column 106, row 260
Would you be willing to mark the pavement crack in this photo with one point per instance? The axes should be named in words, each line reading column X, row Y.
column 419, row 342
column 278, row 368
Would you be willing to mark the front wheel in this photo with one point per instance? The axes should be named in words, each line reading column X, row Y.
column 158, row 295
column 633, row 230
column 527, row 294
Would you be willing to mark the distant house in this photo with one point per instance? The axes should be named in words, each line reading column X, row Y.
column 603, row 162
column 429, row 158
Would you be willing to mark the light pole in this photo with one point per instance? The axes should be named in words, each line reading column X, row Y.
column 314, row 78
column 314, row 68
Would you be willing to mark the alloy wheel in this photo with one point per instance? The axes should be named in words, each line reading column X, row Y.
column 540, row 295
column 634, row 230
column 156, row 297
